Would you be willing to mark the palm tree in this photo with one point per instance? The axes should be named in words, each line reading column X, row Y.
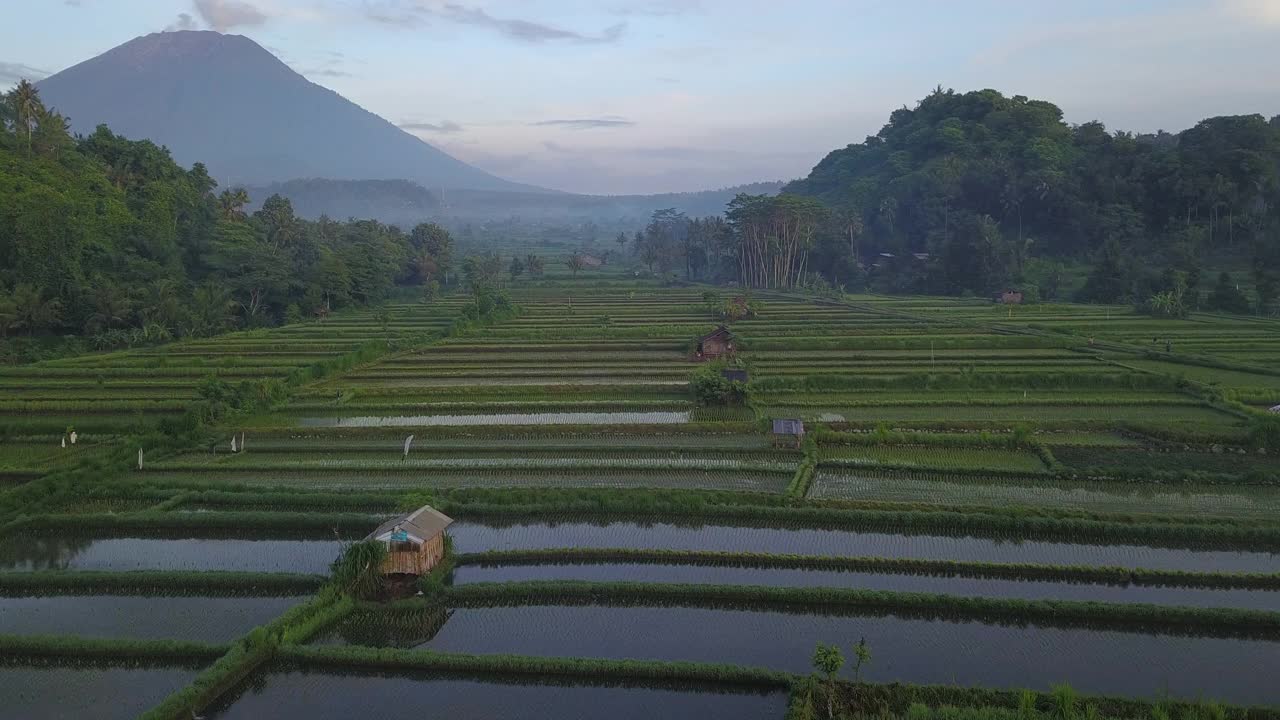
column 27, row 107
column 32, row 311
column 211, row 309
column 8, row 314
column 110, row 308
column 231, row 203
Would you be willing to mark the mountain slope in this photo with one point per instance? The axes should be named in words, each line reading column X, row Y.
column 226, row 101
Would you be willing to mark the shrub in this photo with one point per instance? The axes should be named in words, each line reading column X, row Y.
column 711, row 388
column 358, row 570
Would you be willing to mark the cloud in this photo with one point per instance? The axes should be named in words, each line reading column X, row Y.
column 657, row 8
column 445, row 126
column 13, row 72
column 1264, row 12
column 325, row 72
column 608, row 121
column 222, row 15
column 184, row 22
column 530, row 31
column 526, row 30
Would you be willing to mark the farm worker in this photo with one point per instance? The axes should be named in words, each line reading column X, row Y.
column 233, row 443
column 73, row 437
column 64, row 441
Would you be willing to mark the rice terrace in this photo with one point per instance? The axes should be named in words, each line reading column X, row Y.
column 989, row 500
column 976, row 419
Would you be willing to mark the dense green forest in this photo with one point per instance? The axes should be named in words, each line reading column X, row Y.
column 109, row 241
column 976, row 192
column 1000, row 191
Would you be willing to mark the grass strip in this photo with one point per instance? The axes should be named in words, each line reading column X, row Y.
column 394, row 659
column 146, row 582
column 248, row 653
column 898, row 566
column 108, row 523
column 861, row 699
column 1253, row 623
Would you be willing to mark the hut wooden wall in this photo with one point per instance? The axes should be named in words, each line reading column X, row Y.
column 415, row 563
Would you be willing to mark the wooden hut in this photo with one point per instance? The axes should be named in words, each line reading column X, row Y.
column 1008, row 297
column 415, row 542
column 1275, row 410
column 715, row 344
column 788, row 431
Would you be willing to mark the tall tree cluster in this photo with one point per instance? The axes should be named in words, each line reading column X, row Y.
column 974, row 191
column 108, row 238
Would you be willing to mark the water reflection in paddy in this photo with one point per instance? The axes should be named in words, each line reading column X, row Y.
column 793, row 577
column 477, row 536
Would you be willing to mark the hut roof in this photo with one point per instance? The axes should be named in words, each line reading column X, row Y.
column 788, row 426
column 1276, row 409
column 421, row 525
column 722, row 330
column 734, row 374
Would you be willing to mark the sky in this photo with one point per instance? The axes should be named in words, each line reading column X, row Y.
column 644, row 96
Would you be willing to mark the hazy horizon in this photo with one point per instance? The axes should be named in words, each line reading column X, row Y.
column 651, row 96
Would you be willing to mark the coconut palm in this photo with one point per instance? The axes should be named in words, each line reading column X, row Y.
column 110, row 308
column 231, row 203
column 27, row 107
column 8, row 314
column 32, row 311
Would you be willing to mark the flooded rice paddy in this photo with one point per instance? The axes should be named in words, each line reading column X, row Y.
column 795, row 577
column 198, row 619
column 905, row 649
column 29, row 552
column 474, row 536
column 300, row 695
column 71, row 692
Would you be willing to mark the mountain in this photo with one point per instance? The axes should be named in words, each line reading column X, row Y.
column 227, row 102
column 397, row 202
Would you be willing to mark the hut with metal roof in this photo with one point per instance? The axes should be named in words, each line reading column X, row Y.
column 1276, row 410
column 415, row 542
column 788, row 431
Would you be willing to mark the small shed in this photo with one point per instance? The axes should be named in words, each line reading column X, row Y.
column 734, row 374
column 1275, row 410
column 415, row 542
column 592, row 261
column 717, row 343
column 788, row 431
column 1008, row 297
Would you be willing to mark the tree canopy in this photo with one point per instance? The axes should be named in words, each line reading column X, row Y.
column 110, row 238
column 964, row 191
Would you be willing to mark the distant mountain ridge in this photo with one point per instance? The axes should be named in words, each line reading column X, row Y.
column 406, row 203
column 226, row 101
